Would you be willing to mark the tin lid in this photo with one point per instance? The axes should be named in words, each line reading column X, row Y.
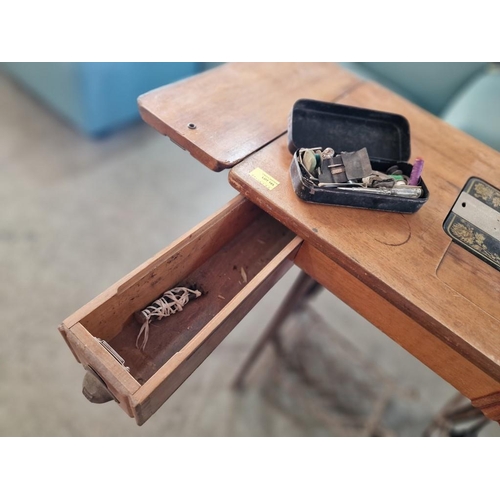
column 347, row 128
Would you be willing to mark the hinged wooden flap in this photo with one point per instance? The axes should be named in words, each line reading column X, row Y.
column 225, row 114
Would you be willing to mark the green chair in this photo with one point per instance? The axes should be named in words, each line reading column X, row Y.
column 466, row 95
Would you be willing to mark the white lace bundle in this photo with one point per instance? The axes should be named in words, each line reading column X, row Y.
column 169, row 303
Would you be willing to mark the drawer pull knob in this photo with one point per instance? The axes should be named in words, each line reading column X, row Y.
column 94, row 388
column 169, row 303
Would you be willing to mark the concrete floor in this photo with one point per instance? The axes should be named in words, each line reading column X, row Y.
column 78, row 215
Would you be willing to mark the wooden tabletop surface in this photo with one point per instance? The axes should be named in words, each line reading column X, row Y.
column 406, row 259
column 398, row 255
column 238, row 108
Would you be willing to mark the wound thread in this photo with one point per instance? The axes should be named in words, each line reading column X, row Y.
column 169, row 303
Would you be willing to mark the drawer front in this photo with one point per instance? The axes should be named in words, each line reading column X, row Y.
column 234, row 258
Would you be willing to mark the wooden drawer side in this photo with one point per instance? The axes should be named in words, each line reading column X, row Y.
column 221, row 277
column 167, row 380
column 106, row 315
column 233, row 258
column 90, row 353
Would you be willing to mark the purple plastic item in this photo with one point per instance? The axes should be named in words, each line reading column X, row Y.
column 416, row 172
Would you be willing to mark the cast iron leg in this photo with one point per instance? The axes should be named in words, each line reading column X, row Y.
column 458, row 418
column 301, row 290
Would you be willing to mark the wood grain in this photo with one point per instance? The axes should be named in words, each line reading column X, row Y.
column 221, row 278
column 106, row 315
column 396, row 270
column 453, row 367
column 90, row 353
column 172, row 374
column 238, row 108
column 489, row 405
column 362, row 242
column 234, row 257
column 476, row 281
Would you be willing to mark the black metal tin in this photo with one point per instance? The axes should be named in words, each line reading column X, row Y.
column 347, row 128
column 464, row 231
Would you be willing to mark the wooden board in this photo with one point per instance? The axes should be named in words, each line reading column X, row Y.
column 221, row 277
column 395, row 255
column 471, row 381
column 238, row 108
column 235, row 256
column 106, row 315
column 177, row 369
column 89, row 352
column 476, row 281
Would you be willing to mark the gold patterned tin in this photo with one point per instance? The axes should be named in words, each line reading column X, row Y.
column 474, row 221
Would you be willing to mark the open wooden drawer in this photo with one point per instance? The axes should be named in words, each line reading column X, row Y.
column 235, row 257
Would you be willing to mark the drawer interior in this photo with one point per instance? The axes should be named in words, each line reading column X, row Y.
column 220, row 257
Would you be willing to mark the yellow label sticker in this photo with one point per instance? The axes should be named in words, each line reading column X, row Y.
column 265, row 179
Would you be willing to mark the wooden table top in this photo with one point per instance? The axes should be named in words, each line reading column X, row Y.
column 241, row 113
column 399, row 255
column 238, row 108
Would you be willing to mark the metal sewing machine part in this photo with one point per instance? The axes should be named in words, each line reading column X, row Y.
column 406, row 191
column 357, row 164
column 353, row 171
column 325, row 174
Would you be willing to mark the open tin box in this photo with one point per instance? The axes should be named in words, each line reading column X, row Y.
column 386, row 136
